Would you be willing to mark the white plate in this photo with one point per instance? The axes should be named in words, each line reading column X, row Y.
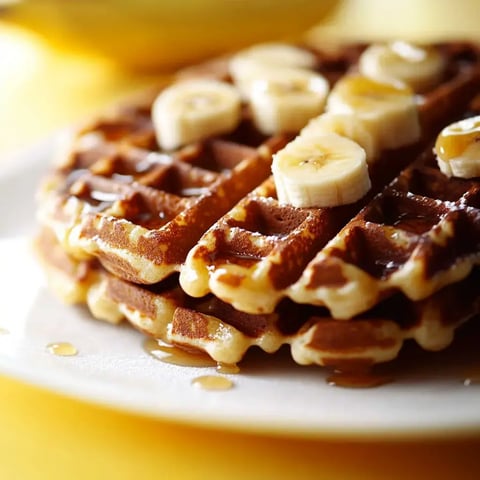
column 271, row 393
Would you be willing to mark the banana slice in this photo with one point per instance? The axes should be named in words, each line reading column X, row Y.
column 322, row 171
column 458, row 149
column 245, row 65
column 388, row 110
column 418, row 67
column 193, row 110
column 285, row 99
column 346, row 125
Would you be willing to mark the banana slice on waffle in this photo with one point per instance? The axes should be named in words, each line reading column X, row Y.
column 285, row 99
column 347, row 125
column 278, row 82
column 458, row 149
column 388, row 110
column 320, row 171
column 417, row 66
column 246, row 65
column 194, row 110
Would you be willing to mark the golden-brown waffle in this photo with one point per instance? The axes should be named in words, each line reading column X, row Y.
column 140, row 211
column 256, row 254
column 420, row 234
column 165, row 312
column 120, row 217
column 116, row 197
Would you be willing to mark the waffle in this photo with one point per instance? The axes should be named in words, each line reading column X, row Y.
column 165, row 312
column 193, row 247
column 255, row 255
column 140, row 211
column 420, row 234
column 116, row 197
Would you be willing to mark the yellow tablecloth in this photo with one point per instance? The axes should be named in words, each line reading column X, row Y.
column 45, row 435
column 42, row 90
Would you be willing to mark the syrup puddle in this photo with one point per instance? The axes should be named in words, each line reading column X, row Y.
column 62, row 349
column 357, row 379
column 212, row 382
column 176, row 356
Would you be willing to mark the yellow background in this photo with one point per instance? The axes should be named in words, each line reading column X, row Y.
column 47, row 436
column 44, row 436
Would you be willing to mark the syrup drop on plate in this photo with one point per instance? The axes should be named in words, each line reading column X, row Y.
column 472, row 376
column 467, row 382
column 360, row 379
column 228, row 368
column 175, row 355
column 212, row 382
column 62, row 349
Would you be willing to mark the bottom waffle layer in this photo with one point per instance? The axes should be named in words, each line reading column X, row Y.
column 165, row 312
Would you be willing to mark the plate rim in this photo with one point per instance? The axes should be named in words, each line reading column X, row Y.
column 240, row 425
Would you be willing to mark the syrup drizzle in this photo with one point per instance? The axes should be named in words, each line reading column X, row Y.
column 356, row 377
column 176, row 356
column 454, row 140
column 62, row 349
column 228, row 368
column 212, row 382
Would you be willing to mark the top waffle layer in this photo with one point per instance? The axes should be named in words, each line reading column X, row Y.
column 210, row 210
column 118, row 197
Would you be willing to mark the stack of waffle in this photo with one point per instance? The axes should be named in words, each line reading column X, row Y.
column 189, row 241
